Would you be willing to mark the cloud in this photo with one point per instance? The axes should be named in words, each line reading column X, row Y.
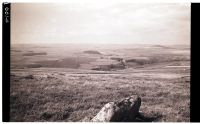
column 97, row 23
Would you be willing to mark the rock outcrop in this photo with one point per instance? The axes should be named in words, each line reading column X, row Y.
column 122, row 111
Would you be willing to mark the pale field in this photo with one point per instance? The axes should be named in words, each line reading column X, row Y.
column 65, row 83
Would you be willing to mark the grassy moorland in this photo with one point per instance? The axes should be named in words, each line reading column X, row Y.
column 72, row 82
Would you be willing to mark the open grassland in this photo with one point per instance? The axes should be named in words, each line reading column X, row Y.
column 70, row 83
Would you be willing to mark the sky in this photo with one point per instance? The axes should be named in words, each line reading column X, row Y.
column 108, row 23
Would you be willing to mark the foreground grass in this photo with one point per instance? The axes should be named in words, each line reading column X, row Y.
column 52, row 96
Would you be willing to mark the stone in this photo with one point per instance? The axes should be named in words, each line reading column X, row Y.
column 121, row 111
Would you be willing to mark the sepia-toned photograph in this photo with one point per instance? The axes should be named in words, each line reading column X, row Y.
column 100, row 62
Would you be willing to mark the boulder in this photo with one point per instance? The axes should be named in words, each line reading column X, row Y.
column 122, row 111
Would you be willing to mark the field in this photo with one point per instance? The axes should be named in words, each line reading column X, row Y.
column 72, row 82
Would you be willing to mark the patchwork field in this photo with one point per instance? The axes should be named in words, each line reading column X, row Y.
column 72, row 82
